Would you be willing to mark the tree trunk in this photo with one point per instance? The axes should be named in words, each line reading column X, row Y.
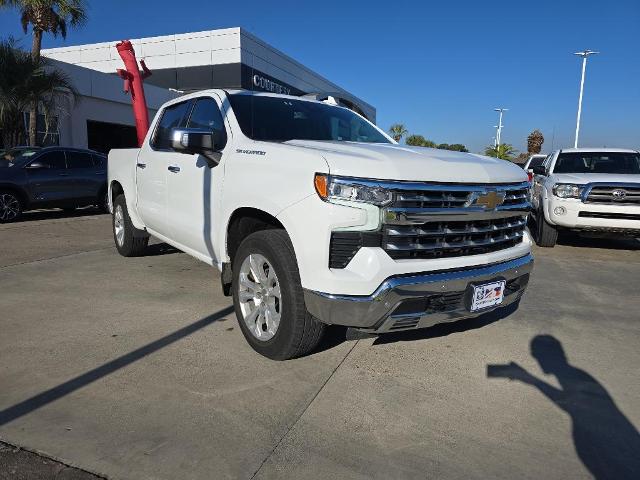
column 33, row 112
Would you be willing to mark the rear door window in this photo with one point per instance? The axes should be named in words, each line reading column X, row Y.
column 79, row 160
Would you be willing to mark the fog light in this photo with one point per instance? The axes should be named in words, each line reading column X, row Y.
column 559, row 210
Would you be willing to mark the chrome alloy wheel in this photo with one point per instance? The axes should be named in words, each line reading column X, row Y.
column 118, row 225
column 9, row 207
column 259, row 297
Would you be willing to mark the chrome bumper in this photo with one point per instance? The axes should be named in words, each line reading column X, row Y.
column 418, row 301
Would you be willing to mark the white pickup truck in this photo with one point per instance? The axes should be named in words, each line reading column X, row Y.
column 587, row 190
column 314, row 216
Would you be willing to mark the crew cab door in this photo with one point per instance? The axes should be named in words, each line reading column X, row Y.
column 86, row 177
column 51, row 182
column 194, row 184
column 151, row 168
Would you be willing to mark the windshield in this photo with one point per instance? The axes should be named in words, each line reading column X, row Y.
column 594, row 162
column 277, row 119
column 17, row 156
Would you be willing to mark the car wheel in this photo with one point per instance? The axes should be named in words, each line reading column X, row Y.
column 130, row 242
column 546, row 234
column 10, row 207
column 268, row 298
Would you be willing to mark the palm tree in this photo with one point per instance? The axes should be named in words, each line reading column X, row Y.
column 419, row 141
column 23, row 82
column 535, row 141
column 51, row 16
column 504, row 151
column 397, row 131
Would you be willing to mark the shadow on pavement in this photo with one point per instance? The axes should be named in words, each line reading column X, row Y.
column 29, row 405
column 35, row 215
column 609, row 243
column 158, row 249
column 606, row 442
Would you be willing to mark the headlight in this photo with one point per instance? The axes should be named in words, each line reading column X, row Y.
column 351, row 190
column 567, row 190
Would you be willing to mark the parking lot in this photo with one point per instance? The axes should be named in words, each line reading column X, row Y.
column 135, row 368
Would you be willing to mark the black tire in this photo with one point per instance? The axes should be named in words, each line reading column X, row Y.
column 11, row 207
column 298, row 332
column 134, row 242
column 546, row 234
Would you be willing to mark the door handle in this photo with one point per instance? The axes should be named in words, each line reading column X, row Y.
column 64, row 174
column 173, row 168
column 141, row 165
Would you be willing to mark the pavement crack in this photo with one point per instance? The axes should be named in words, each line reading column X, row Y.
column 313, row 399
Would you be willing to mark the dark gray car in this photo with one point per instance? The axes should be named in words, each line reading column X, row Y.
column 50, row 177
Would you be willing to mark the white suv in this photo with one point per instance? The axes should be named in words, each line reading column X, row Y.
column 584, row 189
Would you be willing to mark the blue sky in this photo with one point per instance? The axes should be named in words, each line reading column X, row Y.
column 438, row 67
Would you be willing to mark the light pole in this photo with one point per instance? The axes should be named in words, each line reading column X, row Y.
column 584, row 54
column 499, row 126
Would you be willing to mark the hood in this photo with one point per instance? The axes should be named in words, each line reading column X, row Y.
column 418, row 164
column 582, row 178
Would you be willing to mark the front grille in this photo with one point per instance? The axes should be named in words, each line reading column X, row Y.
column 458, row 197
column 627, row 194
column 441, row 239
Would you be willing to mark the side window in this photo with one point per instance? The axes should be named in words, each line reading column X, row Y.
column 55, row 160
column 206, row 115
column 172, row 117
column 79, row 160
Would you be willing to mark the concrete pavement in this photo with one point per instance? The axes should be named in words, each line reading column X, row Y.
column 135, row 368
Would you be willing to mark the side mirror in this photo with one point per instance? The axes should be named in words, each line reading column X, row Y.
column 37, row 165
column 539, row 170
column 192, row 141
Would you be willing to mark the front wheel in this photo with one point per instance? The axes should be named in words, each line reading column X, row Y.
column 10, row 207
column 268, row 298
column 546, row 234
column 130, row 241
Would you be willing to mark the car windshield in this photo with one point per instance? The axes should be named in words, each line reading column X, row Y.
column 278, row 119
column 16, row 157
column 598, row 162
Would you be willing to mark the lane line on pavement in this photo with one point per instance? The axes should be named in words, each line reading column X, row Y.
column 304, row 410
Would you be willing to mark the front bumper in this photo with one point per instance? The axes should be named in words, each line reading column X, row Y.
column 418, row 300
column 576, row 215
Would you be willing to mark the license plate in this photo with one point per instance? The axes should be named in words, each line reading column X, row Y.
column 487, row 295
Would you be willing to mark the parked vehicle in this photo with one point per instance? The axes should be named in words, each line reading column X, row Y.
column 587, row 190
column 533, row 161
column 50, row 177
column 316, row 217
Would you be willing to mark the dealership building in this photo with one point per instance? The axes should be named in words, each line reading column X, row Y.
column 227, row 58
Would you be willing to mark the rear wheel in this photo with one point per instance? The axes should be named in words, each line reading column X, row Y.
column 130, row 241
column 546, row 234
column 10, row 207
column 268, row 298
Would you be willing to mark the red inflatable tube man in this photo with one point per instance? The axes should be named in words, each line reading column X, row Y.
column 133, row 83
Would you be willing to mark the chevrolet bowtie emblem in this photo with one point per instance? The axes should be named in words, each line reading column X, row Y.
column 489, row 200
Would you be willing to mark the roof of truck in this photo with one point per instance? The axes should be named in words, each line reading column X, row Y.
column 596, row 149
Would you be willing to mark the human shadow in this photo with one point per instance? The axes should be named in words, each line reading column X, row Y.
column 606, row 442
